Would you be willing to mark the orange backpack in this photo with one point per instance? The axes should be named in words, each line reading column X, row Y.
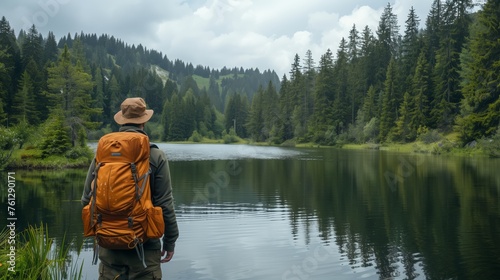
column 120, row 214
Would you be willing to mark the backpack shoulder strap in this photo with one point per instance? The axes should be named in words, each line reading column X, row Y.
column 152, row 169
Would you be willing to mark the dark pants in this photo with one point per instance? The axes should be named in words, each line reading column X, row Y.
column 125, row 264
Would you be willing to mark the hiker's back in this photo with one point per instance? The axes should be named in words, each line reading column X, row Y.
column 122, row 185
column 120, row 214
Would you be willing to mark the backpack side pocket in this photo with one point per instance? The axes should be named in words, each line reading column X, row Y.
column 156, row 224
column 88, row 228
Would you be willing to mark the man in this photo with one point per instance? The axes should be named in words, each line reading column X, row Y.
column 124, row 264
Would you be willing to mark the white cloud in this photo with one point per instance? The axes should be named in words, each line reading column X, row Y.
column 216, row 33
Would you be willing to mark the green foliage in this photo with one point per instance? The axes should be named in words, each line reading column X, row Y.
column 230, row 137
column 55, row 139
column 7, row 143
column 69, row 86
column 154, row 131
column 97, row 134
column 23, row 132
column 429, row 136
column 492, row 145
column 356, row 96
column 355, row 132
column 24, row 102
column 39, row 257
column 403, row 131
column 480, row 105
column 195, row 137
column 371, row 130
column 236, row 114
column 444, row 147
column 79, row 152
column 389, row 102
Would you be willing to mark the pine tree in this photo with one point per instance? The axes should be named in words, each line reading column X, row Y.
column 215, row 95
column 55, row 138
column 24, row 102
column 285, row 131
column 32, row 48
column 298, row 99
column 480, row 106
column 206, row 116
column 454, row 31
column 357, row 82
column 309, row 71
column 369, row 109
column 420, row 92
column 50, row 50
column 175, row 130
column 236, row 114
column 39, row 83
column 271, row 112
column 188, row 115
column 114, row 97
column 387, row 42
column 255, row 125
column 403, row 130
column 410, row 48
column 2, row 91
column 340, row 111
column 388, row 113
column 10, row 57
column 323, row 97
column 368, row 59
column 98, row 94
column 70, row 87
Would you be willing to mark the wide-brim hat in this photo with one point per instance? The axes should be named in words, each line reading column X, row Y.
column 133, row 110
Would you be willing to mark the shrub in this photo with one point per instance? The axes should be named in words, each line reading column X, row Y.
column 492, row 145
column 428, row 136
column 195, row 137
column 230, row 137
column 55, row 139
column 443, row 147
column 371, row 129
column 78, row 152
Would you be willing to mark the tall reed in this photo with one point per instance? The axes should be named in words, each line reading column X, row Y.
column 39, row 257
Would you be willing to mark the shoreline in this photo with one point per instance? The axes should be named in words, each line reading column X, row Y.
column 25, row 159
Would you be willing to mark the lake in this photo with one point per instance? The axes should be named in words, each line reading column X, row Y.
column 251, row 212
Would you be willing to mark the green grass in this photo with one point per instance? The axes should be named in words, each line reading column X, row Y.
column 201, row 82
column 32, row 159
column 205, row 82
column 38, row 257
column 448, row 145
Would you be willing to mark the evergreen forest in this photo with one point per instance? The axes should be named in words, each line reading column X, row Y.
column 438, row 76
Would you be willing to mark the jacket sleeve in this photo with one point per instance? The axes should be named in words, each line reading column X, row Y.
column 87, row 187
column 161, row 194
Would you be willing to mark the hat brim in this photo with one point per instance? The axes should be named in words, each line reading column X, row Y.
column 120, row 119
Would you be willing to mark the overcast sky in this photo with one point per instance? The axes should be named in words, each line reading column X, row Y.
column 264, row 34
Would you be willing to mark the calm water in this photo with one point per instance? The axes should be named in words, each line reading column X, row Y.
column 249, row 212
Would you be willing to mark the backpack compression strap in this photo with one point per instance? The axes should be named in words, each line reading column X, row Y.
column 92, row 210
column 139, row 190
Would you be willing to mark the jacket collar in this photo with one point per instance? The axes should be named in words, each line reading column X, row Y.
column 132, row 128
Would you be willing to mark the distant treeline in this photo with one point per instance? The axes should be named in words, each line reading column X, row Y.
column 380, row 86
column 388, row 87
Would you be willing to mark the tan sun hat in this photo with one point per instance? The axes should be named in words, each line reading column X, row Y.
column 133, row 110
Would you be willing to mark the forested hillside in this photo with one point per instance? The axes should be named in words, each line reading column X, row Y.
column 441, row 76
column 438, row 77
column 84, row 77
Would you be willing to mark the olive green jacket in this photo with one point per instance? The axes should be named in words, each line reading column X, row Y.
column 161, row 194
